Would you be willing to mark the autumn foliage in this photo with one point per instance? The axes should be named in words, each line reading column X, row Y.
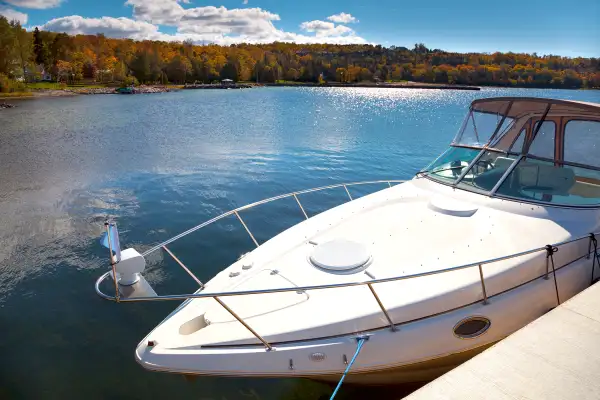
column 96, row 57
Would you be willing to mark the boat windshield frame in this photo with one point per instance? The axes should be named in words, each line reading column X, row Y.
column 525, row 117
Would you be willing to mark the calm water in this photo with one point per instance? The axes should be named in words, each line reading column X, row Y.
column 159, row 164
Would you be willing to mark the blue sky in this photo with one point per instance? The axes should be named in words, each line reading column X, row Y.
column 550, row 26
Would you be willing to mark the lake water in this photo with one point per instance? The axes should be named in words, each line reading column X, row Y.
column 159, row 164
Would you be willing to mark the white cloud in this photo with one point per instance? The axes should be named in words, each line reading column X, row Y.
column 109, row 26
column 207, row 24
column 205, row 20
column 245, row 2
column 342, row 18
column 165, row 12
column 39, row 4
column 11, row 15
column 324, row 28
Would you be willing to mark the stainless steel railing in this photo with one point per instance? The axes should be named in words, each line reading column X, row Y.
column 271, row 199
column 370, row 283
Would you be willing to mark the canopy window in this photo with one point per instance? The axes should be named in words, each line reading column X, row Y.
column 532, row 149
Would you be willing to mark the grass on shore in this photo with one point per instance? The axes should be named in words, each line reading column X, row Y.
column 15, row 95
column 59, row 86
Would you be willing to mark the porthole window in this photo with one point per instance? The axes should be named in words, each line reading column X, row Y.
column 471, row 327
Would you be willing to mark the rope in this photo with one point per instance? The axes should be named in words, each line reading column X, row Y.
column 596, row 255
column 550, row 250
column 361, row 341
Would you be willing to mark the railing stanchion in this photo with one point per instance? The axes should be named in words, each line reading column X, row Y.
column 300, row 205
column 387, row 316
column 198, row 281
column 241, row 321
column 485, row 299
column 348, row 192
column 245, row 227
column 589, row 248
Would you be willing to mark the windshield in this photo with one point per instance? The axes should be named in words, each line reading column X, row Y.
column 482, row 126
column 451, row 163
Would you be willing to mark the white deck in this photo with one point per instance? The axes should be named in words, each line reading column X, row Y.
column 554, row 357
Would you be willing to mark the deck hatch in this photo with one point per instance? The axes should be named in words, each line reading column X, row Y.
column 340, row 255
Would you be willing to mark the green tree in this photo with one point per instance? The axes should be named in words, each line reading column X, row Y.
column 7, row 47
column 230, row 71
column 292, row 74
column 140, row 66
column 179, row 69
column 23, row 46
column 40, row 49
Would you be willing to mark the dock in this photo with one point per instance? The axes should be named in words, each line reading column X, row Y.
column 554, row 357
column 218, row 86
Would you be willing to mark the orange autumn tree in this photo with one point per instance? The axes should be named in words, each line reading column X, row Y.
column 101, row 59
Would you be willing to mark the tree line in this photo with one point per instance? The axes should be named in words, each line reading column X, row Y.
column 29, row 56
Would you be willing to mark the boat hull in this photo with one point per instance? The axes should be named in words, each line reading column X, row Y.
column 424, row 371
column 418, row 351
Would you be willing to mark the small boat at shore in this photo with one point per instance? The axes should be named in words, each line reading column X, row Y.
column 125, row 90
column 405, row 283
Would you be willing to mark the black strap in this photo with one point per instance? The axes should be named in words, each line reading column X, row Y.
column 596, row 255
column 550, row 250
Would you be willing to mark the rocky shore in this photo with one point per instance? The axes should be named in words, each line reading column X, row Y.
column 219, row 86
column 111, row 90
column 70, row 91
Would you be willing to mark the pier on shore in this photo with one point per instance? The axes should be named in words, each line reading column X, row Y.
column 554, row 357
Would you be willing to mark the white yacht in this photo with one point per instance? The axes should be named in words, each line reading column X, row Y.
column 494, row 233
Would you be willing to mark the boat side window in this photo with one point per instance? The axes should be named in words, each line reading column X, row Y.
column 451, row 163
column 581, row 142
column 552, row 182
column 487, row 171
column 581, row 146
column 543, row 143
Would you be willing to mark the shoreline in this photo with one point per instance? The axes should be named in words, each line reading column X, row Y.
column 83, row 91
column 384, row 85
column 149, row 89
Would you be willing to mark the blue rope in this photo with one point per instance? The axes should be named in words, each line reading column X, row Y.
column 361, row 341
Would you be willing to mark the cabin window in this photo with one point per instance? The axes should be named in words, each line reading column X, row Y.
column 581, row 138
column 471, row 327
column 543, row 143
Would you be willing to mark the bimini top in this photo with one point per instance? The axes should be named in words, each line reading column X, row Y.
column 533, row 149
column 524, row 105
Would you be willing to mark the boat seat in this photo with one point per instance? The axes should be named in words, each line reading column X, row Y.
column 545, row 179
column 503, row 163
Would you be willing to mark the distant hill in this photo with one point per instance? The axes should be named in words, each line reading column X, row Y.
column 73, row 58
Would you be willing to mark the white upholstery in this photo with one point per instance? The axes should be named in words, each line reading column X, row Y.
column 547, row 179
column 503, row 162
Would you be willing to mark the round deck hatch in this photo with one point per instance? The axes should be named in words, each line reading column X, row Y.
column 340, row 255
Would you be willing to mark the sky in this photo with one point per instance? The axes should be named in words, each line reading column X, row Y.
column 542, row 26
